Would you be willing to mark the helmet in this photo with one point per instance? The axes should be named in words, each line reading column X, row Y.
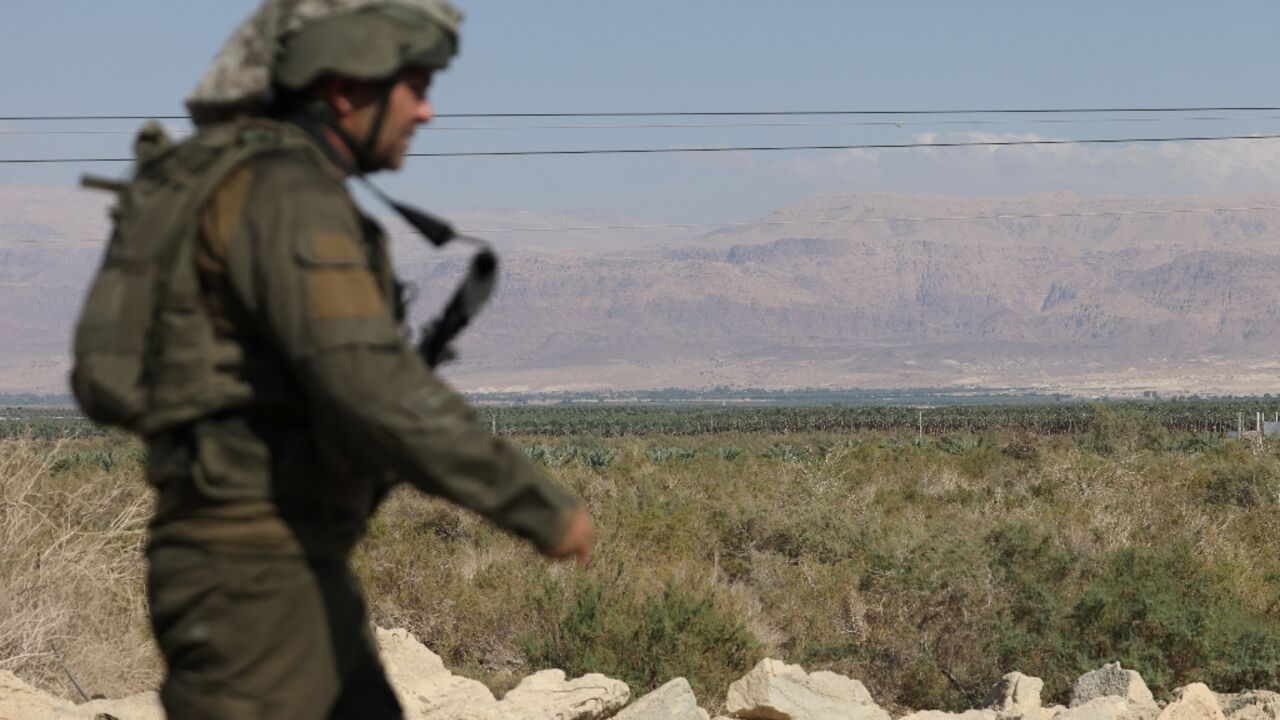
column 370, row 44
column 292, row 43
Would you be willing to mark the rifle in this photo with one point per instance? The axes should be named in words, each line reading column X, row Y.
column 470, row 295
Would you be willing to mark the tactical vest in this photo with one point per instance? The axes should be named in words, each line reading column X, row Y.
column 145, row 348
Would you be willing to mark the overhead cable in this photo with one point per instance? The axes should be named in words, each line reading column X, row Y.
column 735, row 113
column 751, row 148
column 726, row 126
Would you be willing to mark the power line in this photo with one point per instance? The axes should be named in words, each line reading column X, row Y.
column 723, row 126
column 751, row 148
column 865, row 146
column 792, row 113
column 733, row 113
column 785, row 223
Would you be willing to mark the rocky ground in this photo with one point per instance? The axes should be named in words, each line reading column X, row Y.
column 772, row 690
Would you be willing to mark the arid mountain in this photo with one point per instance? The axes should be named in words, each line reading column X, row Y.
column 1061, row 292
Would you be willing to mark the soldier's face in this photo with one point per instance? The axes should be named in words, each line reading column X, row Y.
column 358, row 105
column 407, row 108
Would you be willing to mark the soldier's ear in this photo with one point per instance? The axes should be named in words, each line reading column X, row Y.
column 346, row 96
column 340, row 94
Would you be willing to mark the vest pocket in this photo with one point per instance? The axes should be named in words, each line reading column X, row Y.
column 232, row 463
column 183, row 370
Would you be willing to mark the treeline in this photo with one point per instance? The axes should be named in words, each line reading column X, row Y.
column 1192, row 416
column 1177, row 416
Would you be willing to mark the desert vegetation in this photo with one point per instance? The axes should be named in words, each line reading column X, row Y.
column 926, row 565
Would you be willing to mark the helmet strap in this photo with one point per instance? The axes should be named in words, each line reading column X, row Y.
column 362, row 152
column 384, row 103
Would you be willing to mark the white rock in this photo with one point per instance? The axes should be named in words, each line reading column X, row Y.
column 1111, row 681
column 673, row 701
column 1108, row 707
column 1253, row 705
column 427, row 690
column 144, row 706
column 941, row 715
column 1194, row 702
column 774, row 690
column 546, row 695
column 20, row 701
column 1016, row 694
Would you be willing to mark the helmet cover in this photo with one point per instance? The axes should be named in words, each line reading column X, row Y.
column 293, row 42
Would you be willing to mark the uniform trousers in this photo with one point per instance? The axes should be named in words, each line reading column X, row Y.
column 254, row 636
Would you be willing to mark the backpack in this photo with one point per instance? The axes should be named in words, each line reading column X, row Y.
column 145, row 350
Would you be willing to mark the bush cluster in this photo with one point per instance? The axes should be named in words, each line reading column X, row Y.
column 927, row 567
column 643, row 639
column 924, row 566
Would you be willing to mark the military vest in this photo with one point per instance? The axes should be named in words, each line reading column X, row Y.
column 145, row 349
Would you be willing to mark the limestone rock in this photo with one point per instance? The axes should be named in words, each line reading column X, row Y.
column 1108, row 707
column 1016, row 694
column 427, row 690
column 1111, row 681
column 774, row 690
column 1194, row 702
column 20, row 701
column 547, row 695
column 673, row 701
column 144, row 706
column 941, row 715
column 1254, row 705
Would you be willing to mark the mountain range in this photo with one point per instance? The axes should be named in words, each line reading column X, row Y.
column 1055, row 292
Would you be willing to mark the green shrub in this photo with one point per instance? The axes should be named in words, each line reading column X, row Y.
column 1176, row 618
column 1036, row 574
column 103, row 459
column 644, row 641
column 1198, row 443
column 1152, row 434
column 1245, row 484
column 659, row 455
column 787, row 453
column 597, row 457
column 1166, row 612
column 981, row 460
column 1105, row 434
column 958, row 444
column 1110, row 430
column 1022, row 448
column 561, row 455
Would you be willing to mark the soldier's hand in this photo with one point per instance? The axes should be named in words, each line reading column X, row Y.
column 577, row 541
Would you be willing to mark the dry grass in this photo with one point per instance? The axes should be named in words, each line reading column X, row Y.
column 72, row 571
column 914, row 569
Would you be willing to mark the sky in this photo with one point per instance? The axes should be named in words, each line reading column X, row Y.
column 77, row 57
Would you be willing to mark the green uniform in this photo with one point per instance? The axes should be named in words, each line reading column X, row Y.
column 321, row 408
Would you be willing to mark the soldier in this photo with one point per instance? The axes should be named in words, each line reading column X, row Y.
column 268, row 374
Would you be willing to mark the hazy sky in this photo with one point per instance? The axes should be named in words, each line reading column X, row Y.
column 66, row 57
